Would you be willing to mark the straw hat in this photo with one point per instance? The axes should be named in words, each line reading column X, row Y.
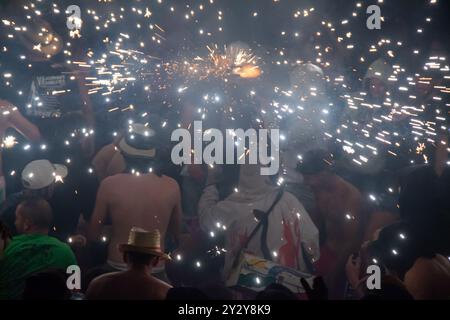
column 142, row 241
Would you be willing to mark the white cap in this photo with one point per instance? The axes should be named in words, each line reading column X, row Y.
column 39, row 174
column 139, row 142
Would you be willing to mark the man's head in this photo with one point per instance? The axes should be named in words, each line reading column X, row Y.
column 376, row 78
column 428, row 80
column 139, row 148
column 33, row 215
column 376, row 87
column 39, row 177
column 306, row 78
column 397, row 247
column 316, row 167
column 137, row 259
column 143, row 248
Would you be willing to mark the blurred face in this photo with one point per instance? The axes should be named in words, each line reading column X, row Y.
column 423, row 87
column 153, row 263
column 377, row 89
column 423, row 90
column 313, row 180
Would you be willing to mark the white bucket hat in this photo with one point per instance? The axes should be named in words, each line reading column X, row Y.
column 138, row 142
column 39, row 174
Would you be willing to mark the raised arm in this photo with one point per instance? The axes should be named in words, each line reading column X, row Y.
column 19, row 122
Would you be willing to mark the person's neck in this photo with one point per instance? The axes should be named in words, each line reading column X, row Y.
column 142, row 174
column 144, row 269
column 335, row 181
column 129, row 170
column 330, row 184
column 37, row 231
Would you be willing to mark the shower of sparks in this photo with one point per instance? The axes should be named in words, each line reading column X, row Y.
column 232, row 61
column 399, row 124
column 9, row 142
column 126, row 56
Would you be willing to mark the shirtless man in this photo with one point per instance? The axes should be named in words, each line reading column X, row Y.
column 429, row 278
column 136, row 198
column 141, row 254
column 108, row 161
column 339, row 212
column 10, row 117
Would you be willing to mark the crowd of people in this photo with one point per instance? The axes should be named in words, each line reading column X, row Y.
column 139, row 227
column 138, row 216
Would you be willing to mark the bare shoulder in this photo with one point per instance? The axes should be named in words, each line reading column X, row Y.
column 438, row 263
column 420, row 269
column 111, row 180
column 95, row 288
column 98, row 283
column 108, row 149
column 443, row 260
column 164, row 286
column 171, row 182
column 104, row 278
column 354, row 192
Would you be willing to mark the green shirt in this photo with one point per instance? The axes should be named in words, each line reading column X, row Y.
column 29, row 254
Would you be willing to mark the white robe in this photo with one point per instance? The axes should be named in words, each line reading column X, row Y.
column 290, row 227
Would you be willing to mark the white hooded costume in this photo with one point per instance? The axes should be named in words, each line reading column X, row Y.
column 291, row 231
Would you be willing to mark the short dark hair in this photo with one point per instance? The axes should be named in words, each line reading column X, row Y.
column 137, row 163
column 38, row 193
column 38, row 210
column 408, row 246
column 142, row 165
column 138, row 258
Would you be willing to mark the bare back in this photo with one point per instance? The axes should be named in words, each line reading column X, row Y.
column 127, row 285
column 341, row 208
column 429, row 279
column 147, row 201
